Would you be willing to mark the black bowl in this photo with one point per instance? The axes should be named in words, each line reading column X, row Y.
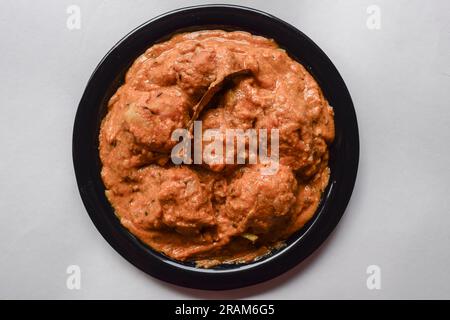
column 109, row 75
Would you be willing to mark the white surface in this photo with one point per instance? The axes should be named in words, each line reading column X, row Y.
column 399, row 215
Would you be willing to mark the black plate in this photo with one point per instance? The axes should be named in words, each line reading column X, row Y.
column 108, row 76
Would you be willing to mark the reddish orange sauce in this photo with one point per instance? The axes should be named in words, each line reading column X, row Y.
column 215, row 214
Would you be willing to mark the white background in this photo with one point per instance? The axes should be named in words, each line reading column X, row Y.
column 399, row 214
